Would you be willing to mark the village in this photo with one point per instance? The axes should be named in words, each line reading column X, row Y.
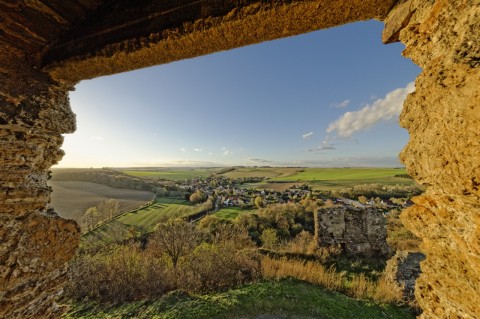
column 239, row 192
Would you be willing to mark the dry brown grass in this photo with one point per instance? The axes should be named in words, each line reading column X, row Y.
column 312, row 272
column 358, row 286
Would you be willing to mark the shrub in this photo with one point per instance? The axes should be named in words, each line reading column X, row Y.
column 116, row 275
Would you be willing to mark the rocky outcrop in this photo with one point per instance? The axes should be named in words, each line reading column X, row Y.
column 358, row 231
column 443, row 119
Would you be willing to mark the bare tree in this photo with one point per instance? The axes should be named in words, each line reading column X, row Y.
column 109, row 208
column 91, row 217
column 176, row 238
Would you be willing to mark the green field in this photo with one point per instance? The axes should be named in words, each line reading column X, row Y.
column 172, row 174
column 143, row 220
column 331, row 178
column 286, row 298
column 232, row 212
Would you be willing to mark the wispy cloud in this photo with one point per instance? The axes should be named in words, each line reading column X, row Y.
column 96, row 138
column 322, row 148
column 259, row 160
column 380, row 110
column 183, row 149
column 307, row 135
column 341, row 105
column 326, row 146
column 198, row 150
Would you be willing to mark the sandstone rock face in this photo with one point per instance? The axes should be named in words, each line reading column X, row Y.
column 443, row 119
column 359, row 231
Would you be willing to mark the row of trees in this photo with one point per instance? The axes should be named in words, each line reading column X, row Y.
column 101, row 213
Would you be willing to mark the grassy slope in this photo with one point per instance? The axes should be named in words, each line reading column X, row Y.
column 144, row 219
column 268, row 299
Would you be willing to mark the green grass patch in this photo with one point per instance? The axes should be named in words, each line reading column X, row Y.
column 232, row 212
column 287, row 298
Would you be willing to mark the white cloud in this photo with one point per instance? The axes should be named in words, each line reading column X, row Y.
column 380, row 110
column 341, row 105
column 226, row 152
column 198, row 150
column 210, row 153
column 96, row 138
column 183, row 149
column 307, row 135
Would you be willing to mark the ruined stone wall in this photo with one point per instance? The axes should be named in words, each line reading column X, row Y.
column 443, row 153
column 359, row 231
column 34, row 242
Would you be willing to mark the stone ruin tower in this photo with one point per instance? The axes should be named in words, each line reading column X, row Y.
column 358, row 231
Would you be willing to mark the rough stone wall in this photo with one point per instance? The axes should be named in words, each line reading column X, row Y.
column 359, row 231
column 34, row 242
column 443, row 119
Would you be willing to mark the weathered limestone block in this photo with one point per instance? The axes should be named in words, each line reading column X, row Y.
column 34, row 242
column 443, row 153
column 359, row 231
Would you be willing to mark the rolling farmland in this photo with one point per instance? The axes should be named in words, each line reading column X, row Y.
column 331, row 178
column 71, row 198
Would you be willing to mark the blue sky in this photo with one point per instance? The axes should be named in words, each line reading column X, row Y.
column 326, row 98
